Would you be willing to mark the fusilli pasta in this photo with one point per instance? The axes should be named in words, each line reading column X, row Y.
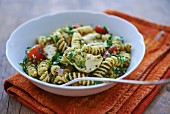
column 77, row 51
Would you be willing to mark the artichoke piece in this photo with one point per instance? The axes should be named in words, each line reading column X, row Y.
column 82, row 61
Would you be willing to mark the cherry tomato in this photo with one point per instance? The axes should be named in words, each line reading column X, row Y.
column 36, row 53
column 100, row 30
column 112, row 49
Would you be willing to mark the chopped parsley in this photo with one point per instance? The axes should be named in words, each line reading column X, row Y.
column 121, row 58
column 109, row 41
column 105, row 28
column 70, row 56
column 119, row 70
column 42, row 52
column 56, row 58
column 120, row 38
column 70, row 27
column 52, row 78
column 28, row 49
column 37, row 77
column 81, row 63
column 98, row 82
column 67, row 77
column 23, row 64
column 56, row 38
column 68, row 30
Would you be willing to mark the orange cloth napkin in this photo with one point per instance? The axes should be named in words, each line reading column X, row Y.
column 122, row 98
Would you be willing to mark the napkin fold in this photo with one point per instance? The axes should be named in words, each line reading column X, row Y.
column 122, row 98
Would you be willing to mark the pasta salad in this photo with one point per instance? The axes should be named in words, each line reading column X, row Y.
column 76, row 51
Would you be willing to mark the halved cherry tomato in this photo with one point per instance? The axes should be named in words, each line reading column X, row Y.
column 36, row 53
column 100, row 30
column 113, row 49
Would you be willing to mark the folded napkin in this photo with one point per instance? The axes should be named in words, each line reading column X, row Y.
column 122, row 98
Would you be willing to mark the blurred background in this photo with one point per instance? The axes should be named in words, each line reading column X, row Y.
column 15, row 12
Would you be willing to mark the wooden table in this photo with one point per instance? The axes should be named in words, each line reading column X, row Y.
column 15, row 12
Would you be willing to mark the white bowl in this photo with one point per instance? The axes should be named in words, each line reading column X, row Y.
column 24, row 36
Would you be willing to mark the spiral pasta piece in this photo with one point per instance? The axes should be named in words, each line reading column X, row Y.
column 76, row 40
column 54, row 69
column 127, row 58
column 108, row 64
column 117, row 42
column 64, row 61
column 45, row 77
column 95, row 50
column 67, row 37
column 59, row 41
column 112, row 74
column 31, row 70
column 116, row 61
column 84, row 30
column 41, row 40
column 105, row 37
column 43, row 71
column 70, row 76
column 103, row 68
column 124, row 47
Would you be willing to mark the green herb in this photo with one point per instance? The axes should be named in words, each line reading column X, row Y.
column 70, row 55
column 28, row 49
column 56, row 39
column 23, row 64
column 67, row 77
column 120, row 38
column 109, row 41
column 79, row 52
column 42, row 52
column 68, row 30
column 49, row 38
column 81, row 64
column 121, row 58
column 56, row 58
column 98, row 82
column 119, row 70
column 70, row 27
column 105, row 28
column 52, row 78
column 37, row 77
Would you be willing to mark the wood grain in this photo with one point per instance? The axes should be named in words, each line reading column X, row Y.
column 15, row 12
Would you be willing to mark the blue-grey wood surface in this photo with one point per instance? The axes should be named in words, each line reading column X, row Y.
column 15, row 12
